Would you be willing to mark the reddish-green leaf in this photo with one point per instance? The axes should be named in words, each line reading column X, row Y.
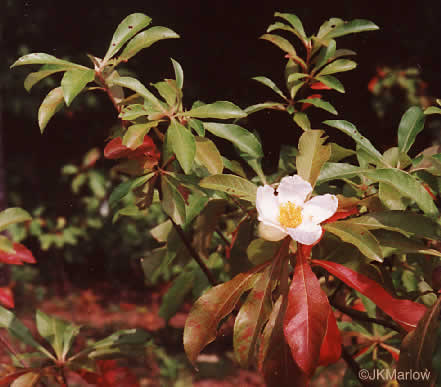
column 306, row 316
column 330, row 351
column 20, row 255
column 207, row 312
column 405, row 312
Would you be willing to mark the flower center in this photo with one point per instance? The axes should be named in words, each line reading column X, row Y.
column 290, row 215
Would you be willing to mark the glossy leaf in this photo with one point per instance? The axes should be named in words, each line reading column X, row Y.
column 137, row 87
column 179, row 73
column 221, row 109
column 266, row 105
column 349, row 129
column 306, row 316
column 183, row 144
column 208, row 311
column 51, row 104
column 37, row 76
column 172, row 201
column 208, row 155
column 432, row 110
column 358, row 236
column 145, row 39
column 407, row 185
column 231, row 184
column 351, row 27
column 294, row 21
column 330, row 351
column 58, row 333
column 302, row 120
column 13, row 215
column 168, row 91
column 332, row 82
column 43, row 59
column 338, row 66
column 74, row 81
column 134, row 137
column 312, row 155
column 280, row 42
column 269, row 83
column 319, row 103
column 128, row 28
column 246, row 141
column 404, row 312
column 326, row 53
column 411, row 124
column 19, row 254
column 417, row 348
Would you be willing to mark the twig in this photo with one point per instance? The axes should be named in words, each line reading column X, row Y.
column 223, row 237
column 352, row 364
column 194, row 254
column 12, row 350
column 355, row 314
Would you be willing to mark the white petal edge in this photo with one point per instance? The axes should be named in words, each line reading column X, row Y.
column 320, row 208
column 270, row 232
column 293, row 189
column 267, row 204
column 306, row 233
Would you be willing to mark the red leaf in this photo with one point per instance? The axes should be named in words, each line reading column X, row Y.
column 405, row 312
column 342, row 214
column 6, row 298
column 22, row 254
column 146, row 154
column 109, row 374
column 372, row 83
column 116, row 150
column 319, row 86
column 306, row 316
column 307, row 105
column 330, row 352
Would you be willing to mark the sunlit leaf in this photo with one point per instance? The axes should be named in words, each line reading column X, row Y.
column 168, row 91
column 13, row 215
column 37, row 76
column 338, row 66
column 43, row 59
column 145, row 39
column 312, row 155
column 332, row 82
column 183, row 144
column 135, row 134
column 405, row 312
column 208, row 155
column 411, row 124
column 137, row 87
column 74, row 81
column 302, row 120
column 269, row 83
column 179, row 73
column 125, row 30
column 432, row 110
column 280, row 42
column 266, row 105
column 51, row 104
column 351, row 27
column 358, row 236
column 221, row 109
column 231, row 184
column 319, row 103
column 246, row 141
column 294, row 21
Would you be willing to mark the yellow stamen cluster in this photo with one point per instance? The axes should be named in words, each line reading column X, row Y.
column 290, row 215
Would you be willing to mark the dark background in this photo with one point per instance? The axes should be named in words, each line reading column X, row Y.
column 219, row 51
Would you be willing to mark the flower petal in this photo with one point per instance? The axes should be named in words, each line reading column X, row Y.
column 293, row 189
column 306, row 234
column 270, row 232
column 320, row 208
column 267, row 204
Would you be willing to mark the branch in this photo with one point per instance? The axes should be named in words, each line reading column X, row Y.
column 12, row 350
column 353, row 365
column 194, row 253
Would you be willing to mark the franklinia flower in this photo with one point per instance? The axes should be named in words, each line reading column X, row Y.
column 286, row 211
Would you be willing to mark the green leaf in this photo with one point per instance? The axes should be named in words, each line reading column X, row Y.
column 50, row 105
column 280, row 42
column 125, row 187
column 37, row 76
column 261, row 250
column 338, row 66
column 208, row 311
column 221, row 109
column 197, row 126
column 352, row 27
column 6, row 245
column 391, row 198
column 138, row 87
column 302, row 120
column 176, row 294
column 339, row 153
column 266, row 105
column 328, row 26
column 134, row 111
column 58, row 333
column 126, row 29
column 231, row 184
column 74, row 81
column 42, row 58
column 331, row 82
column 411, row 124
column 349, row 129
column 179, row 73
column 312, row 155
column 294, row 21
column 13, row 215
column 406, row 222
column 17, row 329
column 168, row 91
column 134, row 136
column 407, row 185
column 432, row 110
column 319, row 103
column 145, row 39
column 183, row 144
column 246, row 141
column 337, row 171
column 172, row 201
column 208, row 155
column 269, row 83
column 358, row 236
column 325, row 54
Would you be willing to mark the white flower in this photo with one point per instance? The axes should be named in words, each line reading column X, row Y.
column 284, row 211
